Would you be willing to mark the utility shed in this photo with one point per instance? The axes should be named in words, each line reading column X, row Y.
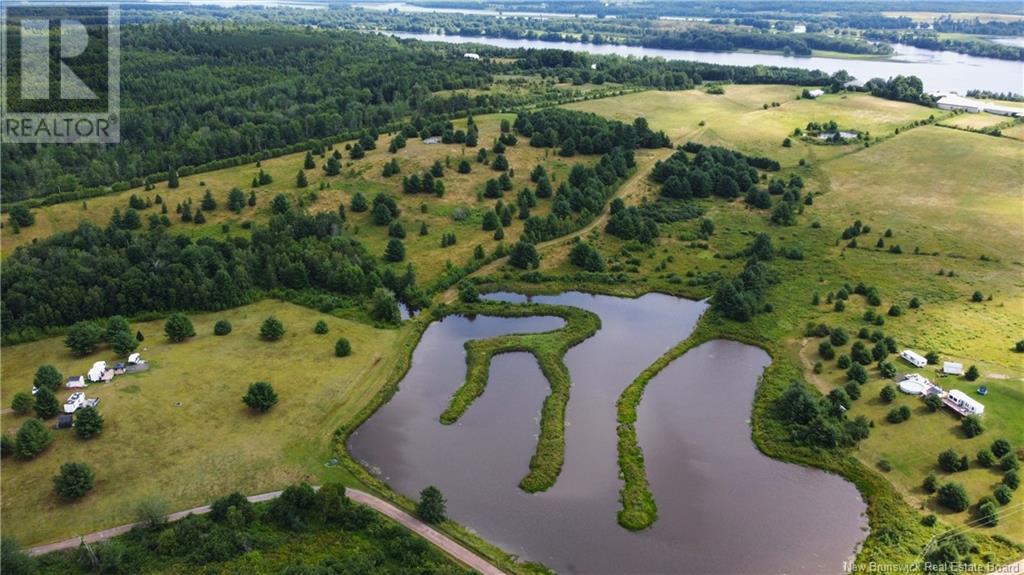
column 952, row 368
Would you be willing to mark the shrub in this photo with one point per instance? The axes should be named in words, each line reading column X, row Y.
column 1011, row 480
column 7, row 445
column 432, row 506
column 320, row 327
column 838, row 336
column 988, row 513
column 261, row 396
column 468, row 292
column 47, row 376
column 888, row 394
column 222, row 327
column 46, row 405
column 83, row 337
column 884, row 465
column 179, row 328
column 22, row 402
column 1009, row 462
column 985, row 458
column 898, row 414
column 931, row 483
column 151, row 512
column 972, row 373
column 954, row 496
column 1001, row 447
column 342, row 348
column 857, row 373
column 928, row 520
column 221, row 509
column 33, row 437
column 971, row 426
column 88, row 422
column 1003, row 494
column 826, row 351
column 950, row 461
column 933, row 402
column 74, row 480
column 272, row 329
column 843, row 362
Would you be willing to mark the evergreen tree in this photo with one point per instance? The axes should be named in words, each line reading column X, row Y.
column 272, row 329
column 88, row 422
column 32, row 438
column 342, row 348
column 523, row 255
column 432, row 506
column 46, row 405
column 236, row 200
column 73, row 481
column 395, row 251
column 172, row 178
column 252, row 199
column 208, row 204
column 332, row 167
column 47, row 376
column 359, row 203
column 309, row 163
column 300, row 179
column 178, row 328
column 260, row 396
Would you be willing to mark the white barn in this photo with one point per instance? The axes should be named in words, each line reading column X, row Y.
column 913, row 358
column 964, row 404
column 471, row 55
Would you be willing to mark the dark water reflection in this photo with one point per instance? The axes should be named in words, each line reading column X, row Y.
column 724, row 507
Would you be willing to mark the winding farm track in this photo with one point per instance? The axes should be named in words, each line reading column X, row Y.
column 440, row 540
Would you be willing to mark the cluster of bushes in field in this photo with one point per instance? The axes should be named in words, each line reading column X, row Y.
column 952, row 495
column 301, row 518
column 743, row 297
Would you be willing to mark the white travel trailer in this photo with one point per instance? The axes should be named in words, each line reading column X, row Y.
column 963, row 404
column 75, row 382
column 913, row 358
column 76, row 401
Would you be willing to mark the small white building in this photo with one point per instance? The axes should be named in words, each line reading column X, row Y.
column 913, row 358
column 952, row 368
column 76, row 401
column 471, row 55
column 97, row 370
column 963, row 403
column 815, row 92
column 75, row 382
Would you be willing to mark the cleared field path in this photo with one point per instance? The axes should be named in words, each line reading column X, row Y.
column 442, row 541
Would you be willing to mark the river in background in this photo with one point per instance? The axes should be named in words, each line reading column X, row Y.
column 940, row 71
column 724, row 507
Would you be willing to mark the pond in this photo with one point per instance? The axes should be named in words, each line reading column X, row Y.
column 723, row 506
column 940, row 71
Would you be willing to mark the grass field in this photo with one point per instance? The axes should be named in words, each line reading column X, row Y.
column 954, row 195
column 179, row 431
column 738, row 119
column 974, row 121
column 983, row 16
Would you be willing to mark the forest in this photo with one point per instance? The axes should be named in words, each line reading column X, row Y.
column 200, row 96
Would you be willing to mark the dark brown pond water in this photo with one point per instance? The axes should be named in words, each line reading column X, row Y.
column 724, row 507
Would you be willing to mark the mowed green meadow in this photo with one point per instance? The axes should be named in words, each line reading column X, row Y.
column 953, row 195
column 180, row 432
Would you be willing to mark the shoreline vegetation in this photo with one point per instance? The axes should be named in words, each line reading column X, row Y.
column 549, row 349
